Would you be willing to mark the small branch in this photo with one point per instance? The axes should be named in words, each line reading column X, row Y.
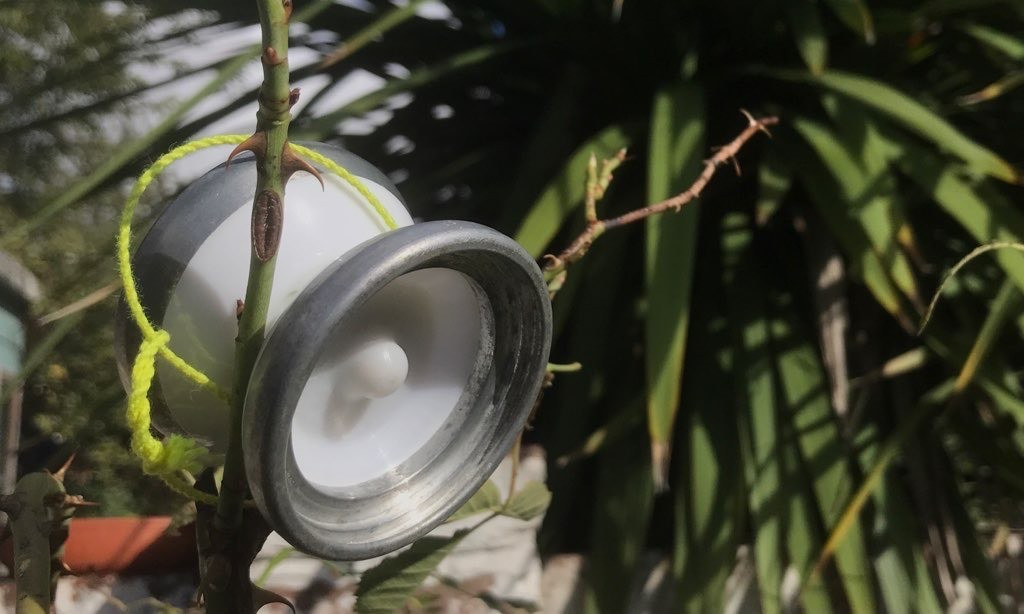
column 571, row 367
column 597, row 184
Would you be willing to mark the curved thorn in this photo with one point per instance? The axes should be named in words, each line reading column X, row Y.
column 257, row 144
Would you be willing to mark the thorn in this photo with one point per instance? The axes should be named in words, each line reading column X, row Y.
column 287, row 4
column 65, row 568
column 64, row 468
column 262, row 597
column 270, row 57
column 293, row 97
column 257, row 144
column 292, row 163
column 756, row 122
column 239, row 307
column 551, row 262
column 736, row 165
column 78, row 501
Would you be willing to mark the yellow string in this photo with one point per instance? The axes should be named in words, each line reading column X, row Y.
column 169, row 457
column 352, row 180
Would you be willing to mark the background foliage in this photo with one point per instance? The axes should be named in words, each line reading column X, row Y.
column 749, row 364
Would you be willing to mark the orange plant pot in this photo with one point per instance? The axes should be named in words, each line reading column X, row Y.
column 124, row 545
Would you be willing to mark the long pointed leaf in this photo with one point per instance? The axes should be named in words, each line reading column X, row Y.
column 980, row 210
column 708, row 485
column 912, row 115
column 805, row 23
column 126, row 153
column 386, row 588
column 677, row 143
column 326, row 123
column 870, row 200
column 805, row 393
column 623, row 503
column 758, row 422
column 902, row 571
column 864, row 261
column 856, row 15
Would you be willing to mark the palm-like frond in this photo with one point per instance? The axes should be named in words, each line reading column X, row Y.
column 747, row 332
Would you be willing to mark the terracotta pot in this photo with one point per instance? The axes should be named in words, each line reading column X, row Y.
column 125, row 545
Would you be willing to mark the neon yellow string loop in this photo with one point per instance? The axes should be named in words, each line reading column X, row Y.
column 175, row 455
column 339, row 170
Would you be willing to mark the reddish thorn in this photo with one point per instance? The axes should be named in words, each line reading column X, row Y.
column 64, row 468
column 270, row 56
column 257, row 144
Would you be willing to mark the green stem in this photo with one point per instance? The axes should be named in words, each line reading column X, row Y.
column 272, row 131
column 36, row 509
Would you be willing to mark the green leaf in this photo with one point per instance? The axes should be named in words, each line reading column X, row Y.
column 912, row 115
column 780, row 500
column 760, row 441
column 1009, row 82
column 1006, row 44
column 279, row 557
column 870, row 195
column 805, row 24
column 371, row 32
column 708, row 484
column 622, row 513
column 325, row 124
column 856, row 15
column 846, row 523
column 531, row 501
column 864, row 262
column 822, row 451
column 774, row 178
column 976, row 563
column 487, row 499
column 124, row 154
column 550, row 144
column 565, row 193
column 388, row 586
column 802, row 535
column 623, row 422
column 981, row 210
column 900, row 565
column 601, row 283
column 1005, row 307
column 676, row 151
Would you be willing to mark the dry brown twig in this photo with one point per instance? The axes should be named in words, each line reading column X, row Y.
column 598, row 181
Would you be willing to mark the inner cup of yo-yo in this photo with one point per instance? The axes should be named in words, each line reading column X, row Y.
column 394, row 382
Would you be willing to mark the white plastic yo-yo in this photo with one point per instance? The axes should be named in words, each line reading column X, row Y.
column 398, row 368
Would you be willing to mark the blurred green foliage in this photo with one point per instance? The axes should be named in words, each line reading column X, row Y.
column 762, row 344
column 57, row 59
